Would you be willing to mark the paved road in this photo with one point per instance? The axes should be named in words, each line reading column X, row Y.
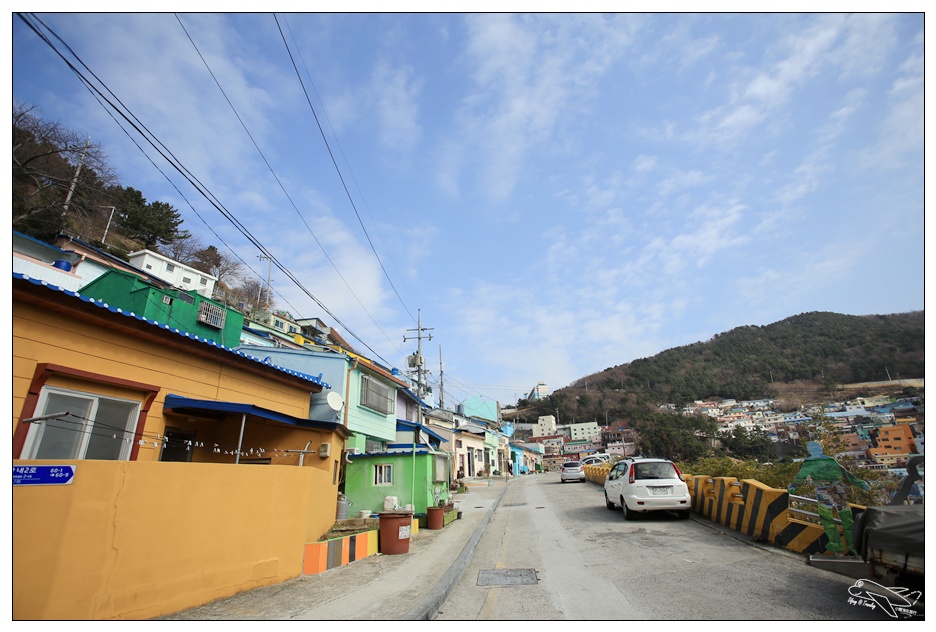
column 587, row 563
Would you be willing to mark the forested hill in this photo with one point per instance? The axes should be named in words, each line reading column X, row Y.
column 818, row 348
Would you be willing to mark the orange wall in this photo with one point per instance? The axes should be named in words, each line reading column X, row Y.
column 134, row 540
column 131, row 540
column 42, row 336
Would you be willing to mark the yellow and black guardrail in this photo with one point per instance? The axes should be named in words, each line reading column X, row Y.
column 747, row 506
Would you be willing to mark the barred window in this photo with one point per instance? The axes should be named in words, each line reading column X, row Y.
column 211, row 314
column 376, row 396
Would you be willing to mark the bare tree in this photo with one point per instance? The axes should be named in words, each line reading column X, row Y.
column 185, row 250
column 249, row 296
column 59, row 176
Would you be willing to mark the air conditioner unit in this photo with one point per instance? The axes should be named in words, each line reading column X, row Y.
column 325, row 450
column 352, row 451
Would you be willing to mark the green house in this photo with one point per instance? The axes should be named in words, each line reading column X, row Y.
column 188, row 312
column 413, row 470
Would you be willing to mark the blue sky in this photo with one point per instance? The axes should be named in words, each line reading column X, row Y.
column 555, row 194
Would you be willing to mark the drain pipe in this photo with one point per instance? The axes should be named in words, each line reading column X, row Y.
column 240, row 440
column 348, row 390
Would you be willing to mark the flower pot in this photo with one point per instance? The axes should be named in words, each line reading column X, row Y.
column 435, row 517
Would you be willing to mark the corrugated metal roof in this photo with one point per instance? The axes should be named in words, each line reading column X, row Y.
column 116, row 310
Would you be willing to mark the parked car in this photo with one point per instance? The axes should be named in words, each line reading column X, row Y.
column 596, row 459
column 572, row 471
column 645, row 485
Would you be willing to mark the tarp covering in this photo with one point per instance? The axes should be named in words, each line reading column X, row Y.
column 895, row 529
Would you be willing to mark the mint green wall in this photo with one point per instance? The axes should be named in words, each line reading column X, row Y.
column 363, row 420
column 132, row 294
column 361, row 491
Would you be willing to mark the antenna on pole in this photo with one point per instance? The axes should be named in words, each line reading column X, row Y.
column 265, row 304
column 417, row 361
column 441, row 382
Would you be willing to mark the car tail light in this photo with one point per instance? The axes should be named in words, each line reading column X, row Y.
column 630, row 479
column 678, row 473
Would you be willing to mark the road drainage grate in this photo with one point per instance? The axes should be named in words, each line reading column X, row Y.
column 515, row 505
column 507, row 577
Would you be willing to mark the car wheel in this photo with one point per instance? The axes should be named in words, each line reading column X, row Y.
column 683, row 515
column 562, row 479
column 608, row 503
column 628, row 514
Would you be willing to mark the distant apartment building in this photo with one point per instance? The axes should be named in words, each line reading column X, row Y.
column 545, row 426
column 177, row 274
column 538, row 392
column 892, row 445
column 580, row 432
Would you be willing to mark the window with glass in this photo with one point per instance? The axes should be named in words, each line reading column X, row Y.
column 383, row 474
column 376, row 396
column 92, row 426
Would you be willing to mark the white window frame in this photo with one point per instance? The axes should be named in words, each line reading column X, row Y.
column 83, row 424
column 440, row 469
column 377, row 396
column 383, row 474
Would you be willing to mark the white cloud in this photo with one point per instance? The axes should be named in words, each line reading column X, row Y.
column 396, row 96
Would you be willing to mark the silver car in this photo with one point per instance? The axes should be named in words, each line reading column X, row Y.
column 572, row 471
column 645, row 485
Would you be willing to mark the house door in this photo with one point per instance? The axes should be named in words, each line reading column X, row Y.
column 178, row 445
column 471, row 462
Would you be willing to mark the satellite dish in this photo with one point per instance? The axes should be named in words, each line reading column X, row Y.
column 334, row 401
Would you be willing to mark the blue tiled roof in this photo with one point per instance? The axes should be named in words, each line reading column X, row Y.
column 116, row 310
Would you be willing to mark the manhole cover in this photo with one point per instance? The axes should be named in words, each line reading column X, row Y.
column 507, row 577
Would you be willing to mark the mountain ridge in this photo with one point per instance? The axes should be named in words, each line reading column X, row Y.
column 812, row 353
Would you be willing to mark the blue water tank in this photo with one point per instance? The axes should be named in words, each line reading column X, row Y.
column 62, row 264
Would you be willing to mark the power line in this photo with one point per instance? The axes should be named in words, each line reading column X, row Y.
column 160, row 148
column 335, row 163
column 341, row 150
column 276, row 177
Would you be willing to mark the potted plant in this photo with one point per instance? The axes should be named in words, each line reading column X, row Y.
column 435, row 514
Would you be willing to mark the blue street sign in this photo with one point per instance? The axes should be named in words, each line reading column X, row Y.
column 43, row 474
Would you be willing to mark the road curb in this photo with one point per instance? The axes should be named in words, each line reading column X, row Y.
column 429, row 606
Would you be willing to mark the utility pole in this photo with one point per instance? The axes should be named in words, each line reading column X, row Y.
column 266, row 304
column 74, row 182
column 417, row 361
column 109, row 220
column 441, row 382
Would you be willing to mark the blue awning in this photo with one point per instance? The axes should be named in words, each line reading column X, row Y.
column 402, row 424
column 199, row 407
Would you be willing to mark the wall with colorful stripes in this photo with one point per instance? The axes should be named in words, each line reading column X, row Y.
column 322, row 556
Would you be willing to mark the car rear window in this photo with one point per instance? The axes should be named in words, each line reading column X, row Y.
column 648, row 471
column 568, row 464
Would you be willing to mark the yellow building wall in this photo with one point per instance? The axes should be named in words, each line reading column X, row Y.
column 132, row 540
column 135, row 540
column 42, row 336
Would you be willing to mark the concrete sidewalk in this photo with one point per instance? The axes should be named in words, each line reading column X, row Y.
column 410, row 586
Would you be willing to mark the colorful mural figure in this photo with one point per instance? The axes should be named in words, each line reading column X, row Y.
column 831, row 481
